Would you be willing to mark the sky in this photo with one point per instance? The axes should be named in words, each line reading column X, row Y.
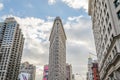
column 36, row 20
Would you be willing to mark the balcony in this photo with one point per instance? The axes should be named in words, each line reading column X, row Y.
column 111, row 63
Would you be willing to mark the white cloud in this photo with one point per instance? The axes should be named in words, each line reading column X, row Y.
column 36, row 49
column 50, row 2
column 50, row 18
column 75, row 18
column 1, row 6
column 77, row 4
column 79, row 43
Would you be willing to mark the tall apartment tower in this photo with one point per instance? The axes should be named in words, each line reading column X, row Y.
column 105, row 16
column 29, row 69
column 11, row 47
column 57, row 52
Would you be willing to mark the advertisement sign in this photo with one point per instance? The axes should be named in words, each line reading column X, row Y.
column 45, row 73
column 24, row 76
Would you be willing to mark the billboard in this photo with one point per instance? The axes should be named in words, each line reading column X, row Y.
column 24, row 76
column 45, row 73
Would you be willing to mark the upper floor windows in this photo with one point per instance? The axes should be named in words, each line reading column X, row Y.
column 108, row 30
column 108, row 16
column 106, row 38
column 104, row 29
column 103, row 3
column 118, row 14
column 116, row 3
column 105, row 6
column 114, row 51
column 57, row 23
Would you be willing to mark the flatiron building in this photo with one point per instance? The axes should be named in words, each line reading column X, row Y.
column 57, row 52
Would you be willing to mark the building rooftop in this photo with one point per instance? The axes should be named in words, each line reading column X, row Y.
column 57, row 17
column 10, row 19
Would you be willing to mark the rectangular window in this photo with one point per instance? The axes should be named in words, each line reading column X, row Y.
column 106, row 38
column 106, row 21
column 110, row 26
column 107, row 15
column 116, row 3
column 104, row 29
column 105, row 6
column 118, row 14
column 108, row 30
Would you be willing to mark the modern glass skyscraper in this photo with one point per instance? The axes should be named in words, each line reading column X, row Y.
column 11, row 47
column 57, row 52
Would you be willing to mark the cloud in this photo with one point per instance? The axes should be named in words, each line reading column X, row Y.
column 36, row 48
column 74, row 18
column 51, row 2
column 50, row 18
column 77, row 4
column 1, row 6
column 80, row 42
